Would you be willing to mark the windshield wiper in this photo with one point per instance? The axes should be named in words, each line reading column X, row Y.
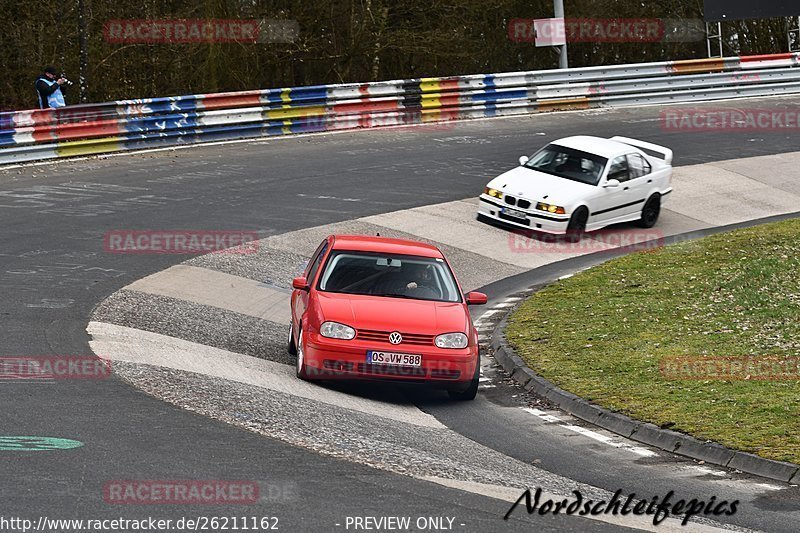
column 395, row 295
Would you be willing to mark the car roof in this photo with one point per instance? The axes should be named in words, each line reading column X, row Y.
column 365, row 243
column 597, row 145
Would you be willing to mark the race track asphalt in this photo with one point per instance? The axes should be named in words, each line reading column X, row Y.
column 54, row 271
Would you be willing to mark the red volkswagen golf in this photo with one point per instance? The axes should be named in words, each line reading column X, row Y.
column 378, row 308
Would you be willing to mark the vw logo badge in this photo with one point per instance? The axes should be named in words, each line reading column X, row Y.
column 395, row 337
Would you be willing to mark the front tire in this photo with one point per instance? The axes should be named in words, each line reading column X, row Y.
column 469, row 393
column 301, row 369
column 291, row 347
column 650, row 212
column 577, row 225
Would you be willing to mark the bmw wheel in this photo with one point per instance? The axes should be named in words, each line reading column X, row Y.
column 577, row 225
column 650, row 212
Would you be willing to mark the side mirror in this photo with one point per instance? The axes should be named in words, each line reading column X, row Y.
column 612, row 184
column 524, row 159
column 476, row 298
column 300, row 283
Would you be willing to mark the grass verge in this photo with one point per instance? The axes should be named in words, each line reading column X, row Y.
column 606, row 333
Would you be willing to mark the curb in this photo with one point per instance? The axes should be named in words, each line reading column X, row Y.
column 650, row 434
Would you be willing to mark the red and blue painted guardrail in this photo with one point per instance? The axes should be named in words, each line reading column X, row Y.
column 156, row 122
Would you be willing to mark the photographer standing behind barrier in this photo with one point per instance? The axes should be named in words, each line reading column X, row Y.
column 48, row 89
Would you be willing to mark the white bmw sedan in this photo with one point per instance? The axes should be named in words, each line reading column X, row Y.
column 580, row 184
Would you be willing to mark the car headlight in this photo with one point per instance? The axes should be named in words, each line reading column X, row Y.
column 557, row 209
column 493, row 192
column 334, row 330
column 451, row 340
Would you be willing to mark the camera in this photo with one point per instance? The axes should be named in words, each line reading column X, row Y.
column 67, row 82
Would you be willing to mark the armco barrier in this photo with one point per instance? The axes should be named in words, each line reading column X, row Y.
column 155, row 122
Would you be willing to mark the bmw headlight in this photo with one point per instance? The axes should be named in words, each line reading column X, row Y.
column 494, row 193
column 334, row 330
column 557, row 209
column 451, row 340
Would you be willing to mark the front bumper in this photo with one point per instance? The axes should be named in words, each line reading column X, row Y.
column 339, row 359
column 534, row 220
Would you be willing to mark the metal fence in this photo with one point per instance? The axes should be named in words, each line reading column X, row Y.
column 157, row 122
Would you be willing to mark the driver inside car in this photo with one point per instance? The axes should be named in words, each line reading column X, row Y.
column 420, row 283
column 571, row 165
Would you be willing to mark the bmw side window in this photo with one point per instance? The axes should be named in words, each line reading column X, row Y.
column 638, row 166
column 314, row 265
column 619, row 169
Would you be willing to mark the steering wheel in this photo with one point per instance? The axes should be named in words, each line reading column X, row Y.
column 422, row 291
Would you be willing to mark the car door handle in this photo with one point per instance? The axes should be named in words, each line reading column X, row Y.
column 626, row 188
column 649, row 181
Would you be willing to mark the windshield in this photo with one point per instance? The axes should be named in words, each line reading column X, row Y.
column 568, row 163
column 389, row 275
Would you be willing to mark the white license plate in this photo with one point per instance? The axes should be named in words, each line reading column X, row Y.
column 513, row 213
column 388, row 358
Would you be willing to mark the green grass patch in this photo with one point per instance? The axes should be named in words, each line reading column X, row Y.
column 603, row 334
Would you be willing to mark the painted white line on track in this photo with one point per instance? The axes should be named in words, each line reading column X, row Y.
column 504, row 305
column 767, row 486
column 638, row 450
column 541, row 414
column 611, row 441
column 321, row 197
column 707, row 471
column 749, row 485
